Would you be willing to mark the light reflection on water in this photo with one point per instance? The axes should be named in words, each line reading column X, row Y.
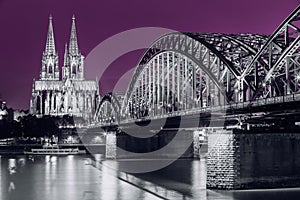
column 73, row 177
column 65, row 177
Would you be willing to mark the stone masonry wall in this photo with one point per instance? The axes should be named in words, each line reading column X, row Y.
column 222, row 160
column 269, row 160
column 239, row 159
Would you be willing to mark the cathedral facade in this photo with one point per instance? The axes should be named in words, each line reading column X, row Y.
column 69, row 94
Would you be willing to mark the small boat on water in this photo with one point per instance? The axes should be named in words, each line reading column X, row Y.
column 55, row 150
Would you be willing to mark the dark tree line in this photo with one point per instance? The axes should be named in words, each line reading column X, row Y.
column 32, row 126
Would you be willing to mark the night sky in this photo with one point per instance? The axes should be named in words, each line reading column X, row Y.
column 24, row 27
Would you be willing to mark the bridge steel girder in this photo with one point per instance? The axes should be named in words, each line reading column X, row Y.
column 240, row 50
column 109, row 107
column 274, row 71
column 214, row 54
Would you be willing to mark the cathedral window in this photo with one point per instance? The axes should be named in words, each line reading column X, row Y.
column 38, row 105
column 54, row 103
column 74, row 69
column 50, row 69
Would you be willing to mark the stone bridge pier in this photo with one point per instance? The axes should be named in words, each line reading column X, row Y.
column 240, row 159
column 118, row 141
column 236, row 159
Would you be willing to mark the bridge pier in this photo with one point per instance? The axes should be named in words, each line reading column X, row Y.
column 240, row 159
column 236, row 159
column 119, row 144
column 222, row 159
column 196, row 138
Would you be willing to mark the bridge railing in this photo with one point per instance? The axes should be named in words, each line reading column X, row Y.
column 266, row 101
column 241, row 105
column 235, row 106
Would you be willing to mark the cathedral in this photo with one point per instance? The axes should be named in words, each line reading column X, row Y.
column 69, row 94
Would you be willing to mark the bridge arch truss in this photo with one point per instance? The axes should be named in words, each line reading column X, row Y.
column 184, row 71
column 275, row 69
column 108, row 110
column 180, row 72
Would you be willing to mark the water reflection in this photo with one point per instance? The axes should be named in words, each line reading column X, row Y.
column 81, row 178
column 186, row 179
column 12, row 168
column 106, row 177
column 50, row 176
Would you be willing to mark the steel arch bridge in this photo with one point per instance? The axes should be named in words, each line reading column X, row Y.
column 180, row 72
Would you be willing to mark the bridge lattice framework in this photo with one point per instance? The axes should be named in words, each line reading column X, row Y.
column 182, row 73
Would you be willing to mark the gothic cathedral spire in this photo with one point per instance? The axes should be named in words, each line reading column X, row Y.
column 73, row 60
column 73, row 46
column 50, row 69
column 66, row 56
column 66, row 68
column 50, row 45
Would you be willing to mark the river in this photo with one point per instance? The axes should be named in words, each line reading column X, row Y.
column 78, row 177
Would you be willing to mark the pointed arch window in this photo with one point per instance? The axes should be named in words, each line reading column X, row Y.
column 73, row 69
column 38, row 105
column 54, row 103
column 50, row 69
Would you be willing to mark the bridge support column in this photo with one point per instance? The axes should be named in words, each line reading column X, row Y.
column 222, row 160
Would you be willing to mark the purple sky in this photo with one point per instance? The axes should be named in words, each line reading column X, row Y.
column 24, row 27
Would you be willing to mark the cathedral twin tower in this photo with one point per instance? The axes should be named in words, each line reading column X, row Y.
column 73, row 60
column 73, row 94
